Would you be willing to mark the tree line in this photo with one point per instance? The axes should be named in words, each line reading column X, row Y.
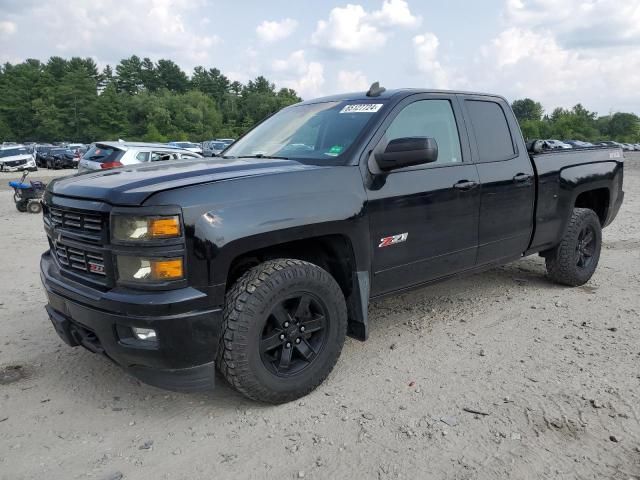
column 157, row 101
column 140, row 99
column 576, row 123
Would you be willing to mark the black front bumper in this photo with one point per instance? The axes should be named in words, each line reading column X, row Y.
column 181, row 359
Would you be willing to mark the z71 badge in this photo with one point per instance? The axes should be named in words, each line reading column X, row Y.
column 393, row 239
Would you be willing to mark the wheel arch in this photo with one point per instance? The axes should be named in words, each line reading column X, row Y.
column 337, row 253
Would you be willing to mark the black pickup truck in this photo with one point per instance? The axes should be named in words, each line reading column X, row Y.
column 260, row 262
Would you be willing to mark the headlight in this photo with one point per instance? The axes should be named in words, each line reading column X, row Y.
column 149, row 270
column 139, row 229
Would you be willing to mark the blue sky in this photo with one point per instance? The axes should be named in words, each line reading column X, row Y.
column 557, row 52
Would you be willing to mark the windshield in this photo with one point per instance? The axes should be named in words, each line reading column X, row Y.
column 10, row 152
column 318, row 131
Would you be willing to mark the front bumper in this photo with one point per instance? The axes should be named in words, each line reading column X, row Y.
column 182, row 359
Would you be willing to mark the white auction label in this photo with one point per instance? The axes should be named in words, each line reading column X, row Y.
column 361, row 108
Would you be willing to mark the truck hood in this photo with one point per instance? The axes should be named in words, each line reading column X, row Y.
column 132, row 185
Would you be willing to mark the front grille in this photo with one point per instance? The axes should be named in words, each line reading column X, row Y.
column 79, row 259
column 79, row 221
column 15, row 163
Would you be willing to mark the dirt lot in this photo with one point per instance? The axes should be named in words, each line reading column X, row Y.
column 555, row 373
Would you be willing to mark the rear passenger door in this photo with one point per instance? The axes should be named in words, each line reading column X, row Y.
column 506, row 177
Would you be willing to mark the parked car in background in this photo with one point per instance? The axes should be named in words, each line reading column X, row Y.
column 14, row 158
column 578, row 144
column 41, row 152
column 627, row 147
column 192, row 147
column 228, row 141
column 58, row 158
column 552, row 144
column 105, row 155
column 609, row 143
column 637, row 146
column 213, row 148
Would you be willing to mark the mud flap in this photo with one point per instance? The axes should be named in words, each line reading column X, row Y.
column 358, row 307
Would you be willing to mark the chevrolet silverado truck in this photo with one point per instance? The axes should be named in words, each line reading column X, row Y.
column 260, row 262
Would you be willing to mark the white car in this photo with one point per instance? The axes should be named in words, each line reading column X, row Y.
column 14, row 158
column 106, row 155
column 192, row 147
column 552, row 144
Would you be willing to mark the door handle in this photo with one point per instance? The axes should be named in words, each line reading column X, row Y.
column 521, row 177
column 465, row 185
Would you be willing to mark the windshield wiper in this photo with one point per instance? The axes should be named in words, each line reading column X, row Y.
column 261, row 155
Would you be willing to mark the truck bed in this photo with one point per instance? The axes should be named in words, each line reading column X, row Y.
column 562, row 176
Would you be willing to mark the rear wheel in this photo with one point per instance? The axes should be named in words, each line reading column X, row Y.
column 285, row 322
column 21, row 205
column 575, row 259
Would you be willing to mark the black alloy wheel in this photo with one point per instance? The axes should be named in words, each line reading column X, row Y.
column 586, row 247
column 294, row 334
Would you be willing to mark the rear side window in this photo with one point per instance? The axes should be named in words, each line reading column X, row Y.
column 142, row 156
column 102, row 154
column 491, row 129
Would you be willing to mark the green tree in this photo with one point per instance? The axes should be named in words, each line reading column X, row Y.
column 527, row 109
column 171, row 77
column 129, row 75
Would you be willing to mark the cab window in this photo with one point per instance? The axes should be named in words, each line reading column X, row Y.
column 430, row 118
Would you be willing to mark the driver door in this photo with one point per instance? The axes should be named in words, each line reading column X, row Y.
column 424, row 219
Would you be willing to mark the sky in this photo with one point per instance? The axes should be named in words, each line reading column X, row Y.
column 559, row 52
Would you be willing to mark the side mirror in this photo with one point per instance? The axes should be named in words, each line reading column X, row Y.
column 407, row 152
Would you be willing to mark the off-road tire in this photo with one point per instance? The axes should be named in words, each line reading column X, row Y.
column 247, row 309
column 21, row 205
column 561, row 261
column 34, row 206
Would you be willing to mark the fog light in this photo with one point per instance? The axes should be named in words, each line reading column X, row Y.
column 147, row 334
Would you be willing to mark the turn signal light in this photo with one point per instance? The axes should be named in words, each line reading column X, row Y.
column 166, row 269
column 164, row 227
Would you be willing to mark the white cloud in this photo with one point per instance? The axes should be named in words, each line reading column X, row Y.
column 395, row 13
column 153, row 28
column 522, row 62
column 579, row 23
column 7, row 28
column 272, row 31
column 426, row 55
column 349, row 81
column 306, row 77
column 351, row 29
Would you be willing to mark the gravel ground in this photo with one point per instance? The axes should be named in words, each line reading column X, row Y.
column 552, row 374
column 42, row 174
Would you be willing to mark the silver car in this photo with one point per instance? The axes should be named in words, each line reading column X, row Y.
column 213, row 148
column 105, row 155
column 14, row 158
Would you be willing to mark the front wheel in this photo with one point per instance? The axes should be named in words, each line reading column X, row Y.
column 285, row 322
column 34, row 206
column 575, row 259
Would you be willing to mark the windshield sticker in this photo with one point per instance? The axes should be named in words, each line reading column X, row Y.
column 361, row 108
column 335, row 151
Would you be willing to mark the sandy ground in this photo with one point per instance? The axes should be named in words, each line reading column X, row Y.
column 555, row 372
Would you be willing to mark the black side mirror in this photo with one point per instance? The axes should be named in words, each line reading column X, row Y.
column 407, row 152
